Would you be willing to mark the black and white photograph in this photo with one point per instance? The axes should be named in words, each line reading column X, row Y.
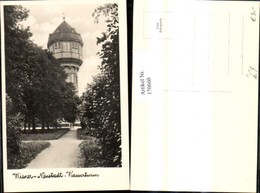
column 63, row 98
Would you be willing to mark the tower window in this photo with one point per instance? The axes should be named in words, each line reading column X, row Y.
column 57, row 45
column 68, row 78
column 73, row 78
column 80, row 49
column 74, row 46
column 51, row 48
column 66, row 46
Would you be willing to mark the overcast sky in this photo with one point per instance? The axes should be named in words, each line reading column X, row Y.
column 44, row 19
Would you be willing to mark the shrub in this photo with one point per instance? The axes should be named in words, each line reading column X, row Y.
column 91, row 153
column 102, row 117
column 83, row 123
column 83, row 134
column 101, row 101
column 13, row 124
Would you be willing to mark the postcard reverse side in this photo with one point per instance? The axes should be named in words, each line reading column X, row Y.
column 195, row 96
column 65, row 101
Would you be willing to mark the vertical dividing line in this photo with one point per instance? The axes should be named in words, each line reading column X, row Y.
column 194, row 46
column 228, row 65
column 242, row 54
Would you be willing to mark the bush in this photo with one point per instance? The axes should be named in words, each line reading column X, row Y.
column 13, row 124
column 101, row 101
column 90, row 151
column 83, row 134
column 13, row 134
column 102, row 117
column 83, row 122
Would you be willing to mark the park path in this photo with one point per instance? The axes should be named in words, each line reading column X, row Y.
column 62, row 153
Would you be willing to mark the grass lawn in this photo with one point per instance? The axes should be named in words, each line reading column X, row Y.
column 29, row 150
column 44, row 135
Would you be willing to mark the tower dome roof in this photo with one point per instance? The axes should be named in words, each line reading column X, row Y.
column 64, row 32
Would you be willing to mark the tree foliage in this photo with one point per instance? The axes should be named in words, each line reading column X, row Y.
column 35, row 82
column 13, row 132
column 16, row 40
column 101, row 101
column 71, row 103
column 16, row 51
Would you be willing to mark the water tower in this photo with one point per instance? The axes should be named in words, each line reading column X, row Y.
column 66, row 45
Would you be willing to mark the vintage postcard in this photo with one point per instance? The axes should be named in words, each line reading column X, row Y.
column 65, row 95
column 195, row 96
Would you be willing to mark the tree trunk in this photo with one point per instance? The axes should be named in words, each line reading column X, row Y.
column 29, row 124
column 43, row 124
column 48, row 125
column 25, row 123
column 33, row 123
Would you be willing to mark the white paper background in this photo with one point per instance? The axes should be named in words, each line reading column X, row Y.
column 198, row 130
column 109, row 178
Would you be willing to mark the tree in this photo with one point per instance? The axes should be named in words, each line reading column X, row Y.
column 71, row 104
column 48, row 83
column 16, row 41
column 48, row 97
column 34, row 79
column 16, row 51
column 102, row 98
